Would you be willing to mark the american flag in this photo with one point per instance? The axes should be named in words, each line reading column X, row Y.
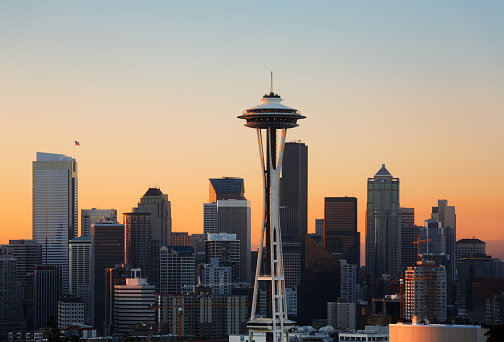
column 77, row 143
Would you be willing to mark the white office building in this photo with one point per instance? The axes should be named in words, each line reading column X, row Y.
column 55, row 210
column 133, row 304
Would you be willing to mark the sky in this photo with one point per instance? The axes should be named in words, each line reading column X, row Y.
column 152, row 89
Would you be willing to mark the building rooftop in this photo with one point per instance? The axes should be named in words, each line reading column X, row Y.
column 471, row 241
column 383, row 172
column 153, row 192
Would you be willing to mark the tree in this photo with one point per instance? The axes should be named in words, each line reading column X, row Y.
column 495, row 333
column 54, row 334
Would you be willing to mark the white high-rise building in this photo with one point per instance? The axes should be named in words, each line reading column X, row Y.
column 341, row 315
column 219, row 277
column 133, row 304
column 425, row 292
column 79, row 274
column 55, row 210
column 92, row 216
column 348, row 288
column 70, row 312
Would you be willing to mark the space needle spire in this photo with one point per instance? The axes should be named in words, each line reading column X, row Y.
column 271, row 117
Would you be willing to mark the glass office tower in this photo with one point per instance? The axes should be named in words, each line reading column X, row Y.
column 55, row 211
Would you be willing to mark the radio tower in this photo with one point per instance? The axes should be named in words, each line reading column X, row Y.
column 271, row 116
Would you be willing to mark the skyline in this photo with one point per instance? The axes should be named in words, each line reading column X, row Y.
column 152, row 94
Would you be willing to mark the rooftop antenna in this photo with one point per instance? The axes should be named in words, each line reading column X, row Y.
column 271, row 90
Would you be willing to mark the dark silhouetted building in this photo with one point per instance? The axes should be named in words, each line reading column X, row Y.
column 320, row 281
column 294, row 189
column 107, row 250
column 138, row 240
column 47, row 290
column 340, row 228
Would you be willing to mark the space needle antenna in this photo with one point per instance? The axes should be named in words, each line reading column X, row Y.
column 271, row 90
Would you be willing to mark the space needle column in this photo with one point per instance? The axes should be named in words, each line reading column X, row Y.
column 271, row 117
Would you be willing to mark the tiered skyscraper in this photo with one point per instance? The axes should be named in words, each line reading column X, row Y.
column 294, row 190
column 156, row 203
column 229, row 212
column 271, row 116
column 55, row 211
column 383, row 233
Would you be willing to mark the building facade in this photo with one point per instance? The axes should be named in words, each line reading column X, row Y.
column 80, row 273
column 133, row 304
column 138, row 240
column 94, row 215
column 157, row 203
column 177, row 269
column 234, row 218
column 383, row 233
column 340, row 228
column 55, row 208
column 226, row 249
column 294, row 189
column 47, row 290
column 425, row 292
column 107, row 250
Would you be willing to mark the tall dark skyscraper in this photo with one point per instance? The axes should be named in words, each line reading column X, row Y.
column 294, row 189
column 340, row 228
column 138, row 240
column 107, row 250
column 320, row 281
column 383, row 233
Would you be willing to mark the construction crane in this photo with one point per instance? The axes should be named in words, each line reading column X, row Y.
column 418, row 242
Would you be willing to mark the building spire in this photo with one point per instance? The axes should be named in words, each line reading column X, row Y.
column 271, row 89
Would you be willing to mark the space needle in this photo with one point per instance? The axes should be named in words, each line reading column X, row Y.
column 272, row 117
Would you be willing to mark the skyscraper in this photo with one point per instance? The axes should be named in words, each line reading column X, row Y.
column 46, row 292
column 383, row 233
column 156, row 203
column 55, row 211
column 320, row 281
column 107, row 250
column 91, row 216
column 226, row 188
column 445, row 215
column 425, row 292
column 10, row 312
column 80, row 273
column 233, row 217
column 294, row 189
column 340, row 228
column 226, row 249
column 229, row 212
column 138, row 240
column 177, row 268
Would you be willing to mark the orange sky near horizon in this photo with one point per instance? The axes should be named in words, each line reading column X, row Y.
column 152, row 94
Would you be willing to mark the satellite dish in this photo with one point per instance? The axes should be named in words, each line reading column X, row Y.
column 302, row 329
column 310, row 329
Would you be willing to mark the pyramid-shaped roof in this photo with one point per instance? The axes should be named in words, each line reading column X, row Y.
column 153, row 192
column 383, row 172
